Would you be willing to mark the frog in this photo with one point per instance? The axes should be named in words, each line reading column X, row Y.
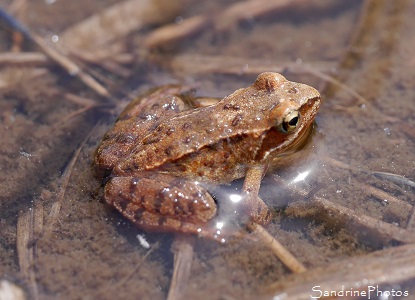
column 163, row 150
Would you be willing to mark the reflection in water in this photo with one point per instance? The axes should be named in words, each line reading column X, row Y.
column 235, row 198
column 219, row 225
column 301, row 176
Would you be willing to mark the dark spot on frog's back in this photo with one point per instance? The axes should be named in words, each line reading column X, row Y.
column 170, row 130
column 133, row 184
column 151, row 140
column 230, row 106
column 162, row 221
column 293, row 90
column 187, row 139
column 124, row 138
column 123, row 203
column 169, row 150
column 237, row 119
column 186, row 126
column 138, row 214
column 158, row 201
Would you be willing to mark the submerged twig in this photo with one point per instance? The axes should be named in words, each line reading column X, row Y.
column 224, row 20
column 134, row 270
column 367, row 228
column 183, row 256
column 29, row 225
column 389, row 267
column 26, row 58
column 72, row 68
column 410, row 225
column 56, row 206
column 278, row 249
column 395, row 178
column 383, row 196
column 115, row 22
column 175, row 32
column 202, row 64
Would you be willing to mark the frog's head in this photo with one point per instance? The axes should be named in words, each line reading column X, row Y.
column 290, row 115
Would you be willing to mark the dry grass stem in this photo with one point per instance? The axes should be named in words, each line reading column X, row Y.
column 56, row 206
column 115, row 22
column 351, row 274
column 176, row 32
column 122, row 281
column 29, row 225
column 395, row 178
column 183, row 256
column 69, row 66
column 410, row 225
column 336, row 83
column 366, row 227
column 62, row 60
column 80, row 100
column 251, row 9
column 381, row 195
column 198, row 64
column 202, row 64
column 278, row 249
column 23, row 59
column 384, row 197
column 225, row 20
column 13, row 77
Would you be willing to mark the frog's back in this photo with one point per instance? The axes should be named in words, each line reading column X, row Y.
column 136, row 121
column 245, row 114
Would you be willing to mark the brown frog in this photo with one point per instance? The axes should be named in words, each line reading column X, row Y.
column 161, row 148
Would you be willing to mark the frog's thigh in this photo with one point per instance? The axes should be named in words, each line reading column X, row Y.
column 163, row 203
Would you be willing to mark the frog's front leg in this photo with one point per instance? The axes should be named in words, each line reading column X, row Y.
column 257, row 210
column 161, row 202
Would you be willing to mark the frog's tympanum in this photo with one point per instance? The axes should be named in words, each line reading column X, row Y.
column 160, row 149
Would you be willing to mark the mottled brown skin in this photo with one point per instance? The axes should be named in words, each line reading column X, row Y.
column 160, row 146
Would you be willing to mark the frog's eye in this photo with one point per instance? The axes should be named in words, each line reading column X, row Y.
column 291, row 121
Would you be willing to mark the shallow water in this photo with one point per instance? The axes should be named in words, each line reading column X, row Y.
column 58, row 239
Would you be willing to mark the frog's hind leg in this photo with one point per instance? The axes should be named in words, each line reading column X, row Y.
column 162, row 203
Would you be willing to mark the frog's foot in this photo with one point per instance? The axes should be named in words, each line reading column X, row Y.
column 161, row 203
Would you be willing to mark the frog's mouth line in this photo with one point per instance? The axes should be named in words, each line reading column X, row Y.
column 301, row 140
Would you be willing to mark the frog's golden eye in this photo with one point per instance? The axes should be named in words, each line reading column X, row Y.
column 291, row 121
